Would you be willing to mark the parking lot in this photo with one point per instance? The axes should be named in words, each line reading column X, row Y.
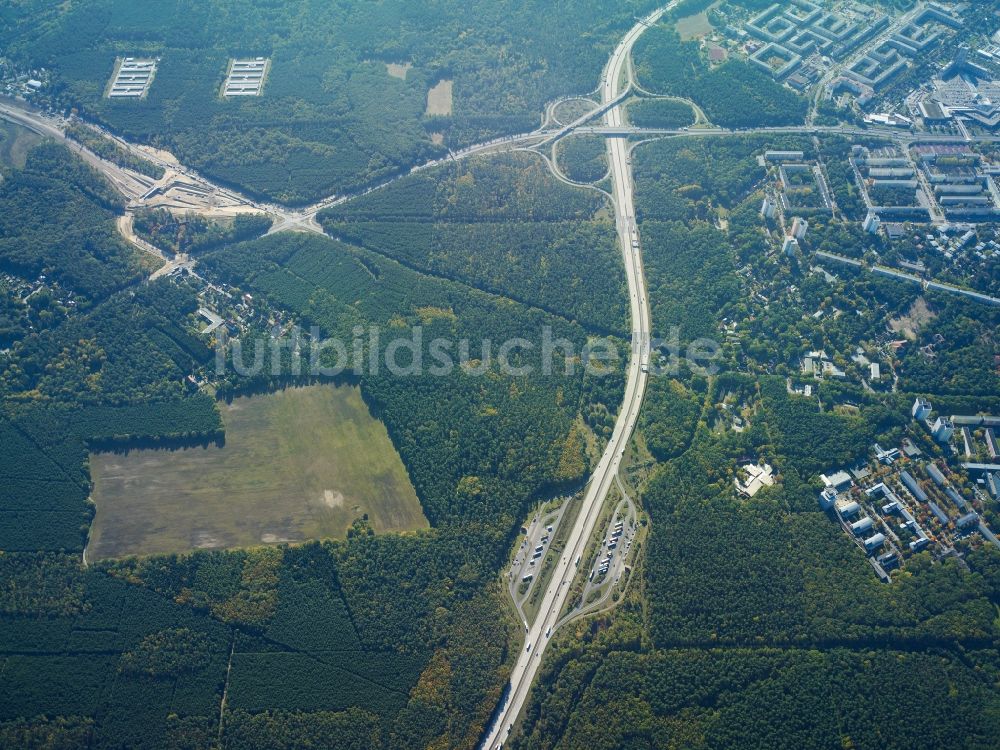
column 609, row 562
column 529, row 560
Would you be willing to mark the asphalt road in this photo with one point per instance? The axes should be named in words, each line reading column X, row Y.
column 554, row 599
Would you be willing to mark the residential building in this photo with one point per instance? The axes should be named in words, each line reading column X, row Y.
column 862, row 527
column 799, row 228
column 943, row 429
column 782, row 156
column 969, row 519
column 911, row 484
column 991, row 443
column 873, row 542
column 921, row 408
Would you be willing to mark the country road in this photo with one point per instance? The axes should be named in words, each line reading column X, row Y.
column 554, row 599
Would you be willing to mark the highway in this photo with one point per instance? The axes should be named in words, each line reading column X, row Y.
column 554, row 600
column 191, row 192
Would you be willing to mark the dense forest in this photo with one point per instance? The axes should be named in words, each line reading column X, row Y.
column 504, row 225
column 692, row 178
column 469, row 419
column 661, row 113
column 137, row 652
column 582, row 158
column 57, row 219
column 193, row 234
column 331, row 118
column 770, row 699
column 756, row 623
column 732, row 95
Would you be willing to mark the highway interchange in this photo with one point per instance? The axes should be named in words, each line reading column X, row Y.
column 616, row 86
column 554, row 600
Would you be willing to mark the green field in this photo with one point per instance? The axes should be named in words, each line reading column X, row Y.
column 298, row 464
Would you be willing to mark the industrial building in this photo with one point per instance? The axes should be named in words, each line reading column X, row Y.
column 246, row 77
column 132, row 78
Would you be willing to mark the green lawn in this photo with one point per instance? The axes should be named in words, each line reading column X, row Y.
column 299, row 464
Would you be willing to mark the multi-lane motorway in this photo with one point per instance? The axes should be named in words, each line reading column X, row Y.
column 615, row 85
column 554, row 599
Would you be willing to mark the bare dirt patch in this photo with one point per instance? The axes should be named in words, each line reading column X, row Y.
column 572, row 109
column 439, row 98
column 918, row 316
column 694, row 27
column 298, row 464
column 15, row 143
column 398, row 70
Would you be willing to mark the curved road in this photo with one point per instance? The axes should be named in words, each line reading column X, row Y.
column 554, row 600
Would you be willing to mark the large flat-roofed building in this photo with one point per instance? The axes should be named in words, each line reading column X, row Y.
column 911, row 484
column 132, row 78
column 991, row 443
column 783, row 156
column 776, row 59
column 993, row 484
column 246, row 77
column 875, row 541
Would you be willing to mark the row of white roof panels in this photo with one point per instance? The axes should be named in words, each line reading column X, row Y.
column 134, row 76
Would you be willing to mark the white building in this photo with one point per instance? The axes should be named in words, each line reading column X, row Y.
column 943, row 429
column 799, row 228
column 921, row 408
column 874, row 542
column 861, row 527
column 872, row 223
